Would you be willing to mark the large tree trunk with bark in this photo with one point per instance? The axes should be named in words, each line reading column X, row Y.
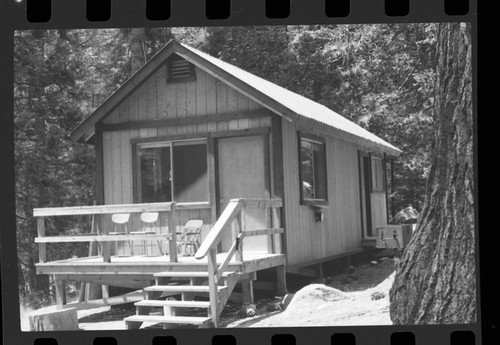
column 137, row 54
column 435, row 281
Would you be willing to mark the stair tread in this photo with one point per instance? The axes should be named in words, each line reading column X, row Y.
column 161, row 303
column 193, row 320
column 188, row 274
column 182, row 288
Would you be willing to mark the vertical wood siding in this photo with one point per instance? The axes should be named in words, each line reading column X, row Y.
column 306, row 239
column 155, row 99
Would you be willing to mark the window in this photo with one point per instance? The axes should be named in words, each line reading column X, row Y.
column 378, row 174
column 172, row 171
column 312, row 170
column 180, row 70
column 155, row 173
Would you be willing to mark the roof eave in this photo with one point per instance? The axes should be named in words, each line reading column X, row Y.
column 85, row 131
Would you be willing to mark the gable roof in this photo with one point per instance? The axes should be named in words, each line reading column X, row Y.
column 285, row 103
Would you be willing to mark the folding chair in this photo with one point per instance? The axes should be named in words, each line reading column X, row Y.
column 190, row 238
column 121, row 220
column 149, row 226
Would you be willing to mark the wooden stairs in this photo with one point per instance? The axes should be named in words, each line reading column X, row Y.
column 217, row 282
column 188, row 285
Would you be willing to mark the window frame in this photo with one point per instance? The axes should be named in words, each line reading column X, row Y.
column 162, row 142
column 318, row 141
column 373, row 188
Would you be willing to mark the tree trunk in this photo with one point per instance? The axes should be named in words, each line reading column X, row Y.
column 137, row 56
column 435, row 282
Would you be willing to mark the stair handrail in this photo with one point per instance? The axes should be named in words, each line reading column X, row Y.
column 215, row 235
column 208, row 248
column 229, row 214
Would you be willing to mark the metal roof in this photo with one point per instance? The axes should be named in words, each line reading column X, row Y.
column 297, row 103
column 268, row 94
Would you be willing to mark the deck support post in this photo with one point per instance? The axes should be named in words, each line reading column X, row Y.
column 321, row 270
column 93, row 291
column 348, row 262
column 60, row 292
column 281, row 280
column 105, row 291
column 81, row 295
column 247, row 291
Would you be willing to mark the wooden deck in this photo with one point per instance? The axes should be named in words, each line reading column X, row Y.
column 144, row 265
column 167, row 274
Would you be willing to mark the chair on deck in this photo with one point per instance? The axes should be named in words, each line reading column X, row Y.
column 190, row 237
column 121, row 220
column 149, row 226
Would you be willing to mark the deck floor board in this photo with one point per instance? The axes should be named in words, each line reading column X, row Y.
column 154, row 264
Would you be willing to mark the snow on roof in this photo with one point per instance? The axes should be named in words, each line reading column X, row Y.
column 298, row 104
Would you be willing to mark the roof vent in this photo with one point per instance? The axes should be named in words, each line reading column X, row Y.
column 180, row 70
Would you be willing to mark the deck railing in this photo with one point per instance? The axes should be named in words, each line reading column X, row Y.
column 235, row 211
column 100, row 236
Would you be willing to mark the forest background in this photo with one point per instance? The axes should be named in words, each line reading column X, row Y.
column 382, row 77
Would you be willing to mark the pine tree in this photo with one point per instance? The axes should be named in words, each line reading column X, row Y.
column 435, row 282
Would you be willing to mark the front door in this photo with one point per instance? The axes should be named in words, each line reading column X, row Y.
column 242, row 173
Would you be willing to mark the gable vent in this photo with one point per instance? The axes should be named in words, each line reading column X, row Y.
column 180, row 70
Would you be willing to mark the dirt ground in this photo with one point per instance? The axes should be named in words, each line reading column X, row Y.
column 359, row 296
column 356, row 296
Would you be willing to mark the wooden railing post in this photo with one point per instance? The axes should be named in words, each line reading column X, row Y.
column 212, row 283
column 239, row 250
column 240, row 218
column 106, row 249
column 275, row 223
column 172, row 244
column 42, row 249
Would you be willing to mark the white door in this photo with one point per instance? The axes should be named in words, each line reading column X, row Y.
column 242, row 172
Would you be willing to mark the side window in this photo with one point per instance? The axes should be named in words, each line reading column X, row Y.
column 378, row 174
column 312, row 169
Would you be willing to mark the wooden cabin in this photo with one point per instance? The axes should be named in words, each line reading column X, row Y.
column 278, row 180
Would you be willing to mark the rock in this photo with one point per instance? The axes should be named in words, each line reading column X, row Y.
column 377, row 295
column 54, row 320
column 408, row 215
column 248, row 310
column 313, row 296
